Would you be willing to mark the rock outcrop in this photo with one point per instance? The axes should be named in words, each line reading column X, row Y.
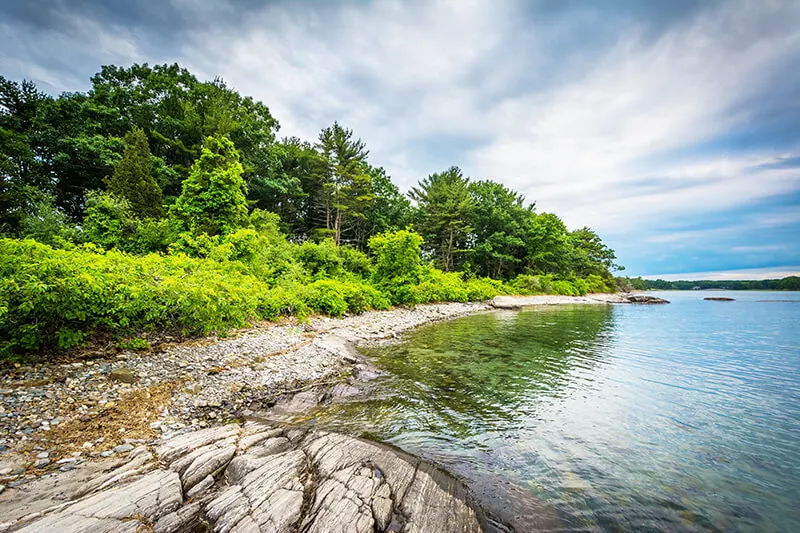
column 518, row 302
column 252, row 477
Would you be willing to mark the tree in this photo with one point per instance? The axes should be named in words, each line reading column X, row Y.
column 133, row 177
column 345, row 191
column 590, row 255
column 444, row 210
column 390, row 210
column 499, row 222
column 23, row 173
column 547, row 246
column 292, row 187
column 213, row 199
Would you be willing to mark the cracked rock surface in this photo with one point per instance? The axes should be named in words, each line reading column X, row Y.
column 251, row 477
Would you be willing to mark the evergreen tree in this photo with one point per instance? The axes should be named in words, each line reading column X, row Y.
column 133, row 177
column 345, row 193
column 444, row 212
column 213, row 199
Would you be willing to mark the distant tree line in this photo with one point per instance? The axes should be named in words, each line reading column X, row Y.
column 791, row 283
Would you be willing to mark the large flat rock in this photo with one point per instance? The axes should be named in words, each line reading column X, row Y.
column 253, row 477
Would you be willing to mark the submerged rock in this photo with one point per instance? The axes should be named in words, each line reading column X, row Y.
column 254, row 477
column 719, row 299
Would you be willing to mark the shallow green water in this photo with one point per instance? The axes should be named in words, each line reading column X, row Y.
column 605, row 418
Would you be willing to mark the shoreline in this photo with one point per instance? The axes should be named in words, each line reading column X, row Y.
column 71, row 417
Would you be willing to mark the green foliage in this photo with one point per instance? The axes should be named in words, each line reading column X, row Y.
column 596, row 284
column 338, row 297
column 398, row 263
column 443, row 216
column 213, row 198
column 47, row 224
column 133, row 179
column 109, row 221
column 157, row 136
column 59, row 296
column 791, row 283
column 134, row 343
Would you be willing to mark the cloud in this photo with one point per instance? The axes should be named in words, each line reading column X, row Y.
column 645, row 120
column 742, row 274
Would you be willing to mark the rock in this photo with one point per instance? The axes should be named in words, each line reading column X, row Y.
column 41, row 463
column 342, row 390
column 123, row 448
column 719, row 299
column 118, row 509
column 122, row 375
column 299, row 404
column 317, row 482
column 268, row 498
column 200, row 488
column 43, row 455
column 645, row 299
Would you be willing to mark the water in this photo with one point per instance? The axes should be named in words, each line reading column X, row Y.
column 681, row 417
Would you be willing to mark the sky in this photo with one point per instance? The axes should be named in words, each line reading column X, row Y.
column 671, row 128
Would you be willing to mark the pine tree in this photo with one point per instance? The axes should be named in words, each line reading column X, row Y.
column 345, row 190
column 133, row 179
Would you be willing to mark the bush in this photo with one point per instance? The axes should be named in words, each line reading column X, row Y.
column 526, row 284
column 109, row 221
column 440, row 286
column 596, row 284
column 565, row 288
column 337, row 297
column 51, row 297
column 398, row 264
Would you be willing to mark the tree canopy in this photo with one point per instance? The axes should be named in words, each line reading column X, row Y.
column 179, row 155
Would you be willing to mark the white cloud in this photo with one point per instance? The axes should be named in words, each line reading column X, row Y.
column 406, row 74
column 606, row 137
column 581, row 149
column 742, row 274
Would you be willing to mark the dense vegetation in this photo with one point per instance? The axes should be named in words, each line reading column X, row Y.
column 158, row 201
column 792, row 283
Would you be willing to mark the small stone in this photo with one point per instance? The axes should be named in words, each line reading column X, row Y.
column 122, row 375
column 41, row 463
column 2, row 488
column 43, row 455
column 107, row 453
column 123, row 448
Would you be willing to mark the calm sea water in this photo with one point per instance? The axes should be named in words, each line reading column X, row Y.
column 681, row 417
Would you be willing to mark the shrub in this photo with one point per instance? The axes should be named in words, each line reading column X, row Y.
column 338, row 297
column 321, row 260
column 109, row 221
column 398, row 264
column 58, row 297
column 526, row 284
column 595, row 283
column 564, row 287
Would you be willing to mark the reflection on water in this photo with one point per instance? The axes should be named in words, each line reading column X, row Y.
column 598, row 418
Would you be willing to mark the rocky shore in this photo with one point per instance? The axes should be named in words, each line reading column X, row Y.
column 154, row 429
